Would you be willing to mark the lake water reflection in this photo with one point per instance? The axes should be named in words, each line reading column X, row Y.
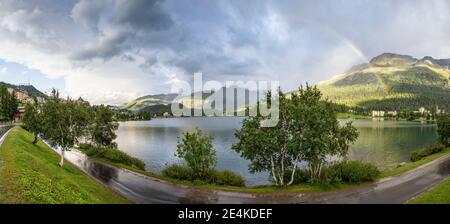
column 383, row 143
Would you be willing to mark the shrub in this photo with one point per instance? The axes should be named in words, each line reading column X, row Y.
column 300, row 176
column 443, row 124
column 179, row 172
column 197, row 150
column 212, row 176
column 112, row 155
column 352, row 172
column 422, row 153
column 228, row 178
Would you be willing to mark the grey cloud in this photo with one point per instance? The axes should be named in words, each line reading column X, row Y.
column 107, row 47
column 142, row 15
column 119, row 25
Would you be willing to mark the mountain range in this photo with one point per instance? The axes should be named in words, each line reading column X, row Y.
column 392, row 82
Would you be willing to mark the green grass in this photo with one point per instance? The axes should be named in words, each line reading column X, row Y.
column 413, row 165
column 439, row 194
column 31, row 174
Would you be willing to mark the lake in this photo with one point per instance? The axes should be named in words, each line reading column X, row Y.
column 382, row 143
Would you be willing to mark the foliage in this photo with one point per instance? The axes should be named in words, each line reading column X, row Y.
column 430, row 150
column 443, row 124
column 197, row 150
column 301, row 176
column 8, row 104
column 112, row 155
column 32, row 120
column 102, row 127
column 308, row 130
column 64, row 122
column 339, row 173
column 29, row 174
column 352, row 172
column 212, row 176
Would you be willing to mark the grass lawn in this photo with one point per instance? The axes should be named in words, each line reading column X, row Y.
column 31, row 174
column 439, row 194
column 412, row 165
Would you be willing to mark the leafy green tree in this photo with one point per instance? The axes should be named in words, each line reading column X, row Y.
column 308, row 130
column 64, row 122
column 443, row 123
column 8, row 103
column 103, row 127
column 32, row 120
column 197, row 150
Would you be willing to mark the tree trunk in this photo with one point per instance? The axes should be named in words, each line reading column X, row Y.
column 35, row 139
column 293, row 172
column 61, row 163
column 273, row 171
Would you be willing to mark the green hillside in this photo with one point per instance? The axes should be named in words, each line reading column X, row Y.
column 149, row 101
column 392, row 82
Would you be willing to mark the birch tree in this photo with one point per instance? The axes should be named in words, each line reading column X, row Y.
column 308, row 130
column 64, row 122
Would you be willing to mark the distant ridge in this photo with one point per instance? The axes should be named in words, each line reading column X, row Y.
column 29, row 89
column 392, row 81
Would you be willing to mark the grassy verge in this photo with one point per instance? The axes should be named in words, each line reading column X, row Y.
column 114, row 156
column 31, row 174
column 439, row 194
column 412, row 165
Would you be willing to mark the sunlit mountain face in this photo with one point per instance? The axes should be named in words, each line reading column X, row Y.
column 114, row 51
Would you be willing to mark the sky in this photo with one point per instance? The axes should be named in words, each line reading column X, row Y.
column 113, row 51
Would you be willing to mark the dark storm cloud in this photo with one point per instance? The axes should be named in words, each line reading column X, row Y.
column 118, row 25
column 142, row 15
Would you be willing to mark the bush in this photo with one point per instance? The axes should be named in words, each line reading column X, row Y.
column 112, row 155
column 185, row 173
column 179, row 172
column 352, row 172
column 197, row 150
column 422, row 153
column 228, row 178
column 300, row 176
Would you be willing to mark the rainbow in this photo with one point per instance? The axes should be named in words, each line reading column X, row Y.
column 344, row 39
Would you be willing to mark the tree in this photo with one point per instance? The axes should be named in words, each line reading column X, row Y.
column 443, row 123
column 308, row 130
column 103, row 127
column 8, row 103
column 197, row 150
column 64, row 122
column 32, row 120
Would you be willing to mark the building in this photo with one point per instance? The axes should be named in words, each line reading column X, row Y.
column 378, row 113
column 18, row 117
column 392, row 113
column 21, row 96
column 439, row 111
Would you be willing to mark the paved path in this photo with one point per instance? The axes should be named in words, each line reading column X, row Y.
column 143, row 189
